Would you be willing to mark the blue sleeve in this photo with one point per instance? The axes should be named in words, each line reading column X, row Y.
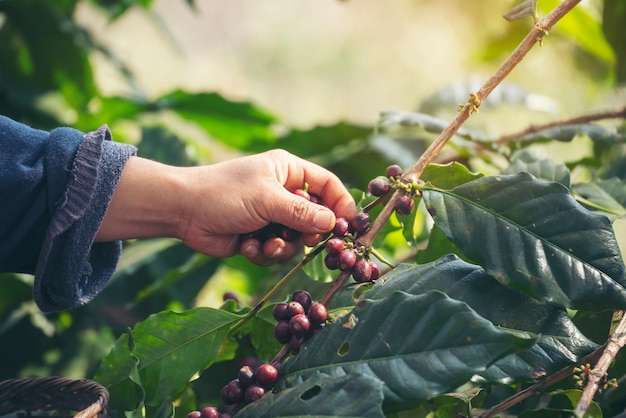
column 56, row 188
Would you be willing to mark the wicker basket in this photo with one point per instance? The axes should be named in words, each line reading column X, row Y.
column 58, row 396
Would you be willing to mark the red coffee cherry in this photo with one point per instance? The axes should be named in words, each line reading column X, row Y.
column 267, row 375
column 404, row 205
column 210, row 412
column 362, row 271
column 346, row 260
column 375, row 271
column 317, row 314
column 254, row 393
column 334, row 246
column 341, row 227
column 299, row 325
column 294, row 308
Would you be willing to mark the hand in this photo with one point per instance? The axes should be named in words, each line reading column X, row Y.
column 210, row 207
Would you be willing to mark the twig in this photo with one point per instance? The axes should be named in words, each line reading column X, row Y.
column 597, row 376
column 269, row 295
column 536, row 34
column 611, row 114
column 540, row 386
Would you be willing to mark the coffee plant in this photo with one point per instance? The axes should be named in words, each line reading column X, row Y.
column 485, row 278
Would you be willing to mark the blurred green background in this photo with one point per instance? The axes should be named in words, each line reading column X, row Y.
column 308, row 76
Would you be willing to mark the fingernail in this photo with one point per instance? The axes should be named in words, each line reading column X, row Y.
column 277, row 252
column 249, row 250
column 323, row 220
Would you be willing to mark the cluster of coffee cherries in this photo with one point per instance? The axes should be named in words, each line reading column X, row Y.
column 344, row 253
column 381, row 186
column 249, row 386
column 298, row 320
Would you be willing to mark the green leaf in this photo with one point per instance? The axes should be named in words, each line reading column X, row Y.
column 33, row 64
column 141, row 252
column 613, row 16
column 418, row 345
column 438, row 246
column 237, row 124
column 560, row 342
column 534, row 237
column 448, row 176
column 585, row 27
column 456, row 404
column 562, row 403
column 170, row 349
column 542, row 168
column 353, row 395
column 608, row 196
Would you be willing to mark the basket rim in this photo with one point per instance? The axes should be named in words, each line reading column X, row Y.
column 85, row 397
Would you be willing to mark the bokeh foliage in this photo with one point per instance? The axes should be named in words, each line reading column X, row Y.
column 47, row 80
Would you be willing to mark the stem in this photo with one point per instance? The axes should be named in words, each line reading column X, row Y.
column 598, row 375
column 540, row 386
column 337, row 285
column 380, row 257
column 610, row 114
column 536, row 34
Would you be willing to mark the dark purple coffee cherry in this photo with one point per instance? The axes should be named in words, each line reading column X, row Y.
column 404, row 205
column 295, row 344
column 394, row 171
column 210, row 412
column 341, row 227
column 254, row 393
column 334, row 246
column 316, row 199
column 362, row 271
column 346, row 260
column 267, row 375
column 232, row 393
column 288, row 234
column 194, row 414
column 299, row 325
column 330, row 261
column 225, row 415
column 246, row 376
column 361, row 223
column 282, row 333
column 303, row 298
column 280, row 311
column 230, row 296
column 294, row 308
column 375, row 271
column 378, row 187
column 317, row 314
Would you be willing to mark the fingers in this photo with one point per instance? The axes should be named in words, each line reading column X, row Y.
column 271, row 251
column 295, row 172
